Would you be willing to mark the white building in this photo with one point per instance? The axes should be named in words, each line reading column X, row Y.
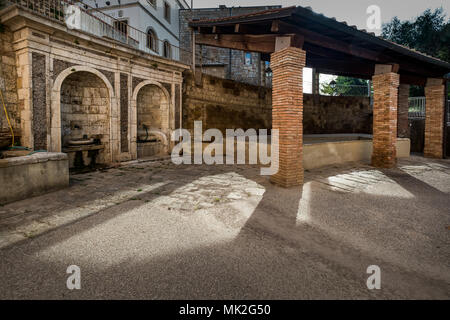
column 152, row 23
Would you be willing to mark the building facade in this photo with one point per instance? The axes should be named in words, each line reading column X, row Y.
column 152, row 23
column 241, row 66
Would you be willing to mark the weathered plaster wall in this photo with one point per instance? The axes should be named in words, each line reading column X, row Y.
column 85, row 109
column 226, row 104
column 8, row 85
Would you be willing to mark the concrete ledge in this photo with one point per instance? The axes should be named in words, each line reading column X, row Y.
column 321, row 150
column 32, row 175
column 320, row 154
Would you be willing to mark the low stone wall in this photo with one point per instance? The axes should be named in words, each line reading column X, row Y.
column 324, row 150
column 316, row 155
column 28, row 176
column 225, row 104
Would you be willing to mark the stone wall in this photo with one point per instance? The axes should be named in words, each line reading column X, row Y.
column 226, row 104
column 152, row 108
column 85, row 110
column 8, row 85
column 234, row 67
column 327, row 115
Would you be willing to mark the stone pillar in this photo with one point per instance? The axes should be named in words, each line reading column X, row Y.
column 385, row 100
column 403, row 107
column 287, row 114
column 434, row 120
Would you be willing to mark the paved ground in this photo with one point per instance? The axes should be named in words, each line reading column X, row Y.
column 158, row 231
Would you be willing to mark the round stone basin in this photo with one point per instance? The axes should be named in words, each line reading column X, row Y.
column 81, row 142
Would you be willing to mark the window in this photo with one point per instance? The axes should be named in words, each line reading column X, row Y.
column 167, row 50
column 167, row 11
column 248, row 58
column 152, row 40
column 122, row 26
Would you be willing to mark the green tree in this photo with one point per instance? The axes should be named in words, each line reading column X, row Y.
column 345, row 86
column 428, row 33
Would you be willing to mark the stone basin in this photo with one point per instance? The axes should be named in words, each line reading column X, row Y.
column 81, row 142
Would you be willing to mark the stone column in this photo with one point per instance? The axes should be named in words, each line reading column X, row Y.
column 403, row 107
column 385, row 86
column 434, row 120
column 287, row 114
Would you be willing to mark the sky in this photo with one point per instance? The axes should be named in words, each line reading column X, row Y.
column 354, row 12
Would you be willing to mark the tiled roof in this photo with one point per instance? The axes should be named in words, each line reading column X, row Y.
column 289, row 11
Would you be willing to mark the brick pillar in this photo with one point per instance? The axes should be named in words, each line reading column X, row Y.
column 402, row 114
column 385, row 102
column 434, row 120
column 287, row 114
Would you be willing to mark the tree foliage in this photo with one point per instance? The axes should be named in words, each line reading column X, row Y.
column 428, row 33
column 345, row 86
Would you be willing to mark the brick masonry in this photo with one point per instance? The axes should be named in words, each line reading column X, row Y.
column 385, row 119
column 287, row 114
column 39, row 101
column 434, row 121
column 403, row 130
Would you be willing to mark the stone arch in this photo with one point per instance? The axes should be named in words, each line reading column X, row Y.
column 55, row 113
column 163, row 132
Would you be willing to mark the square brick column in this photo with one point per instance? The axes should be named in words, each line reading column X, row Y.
column 402, row 114
column 385, row 102
column 434, row 120
column 287, row 114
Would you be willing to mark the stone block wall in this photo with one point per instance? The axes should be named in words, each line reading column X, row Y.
column 85, row 110
column 152, row 108
column 226, row 104
column 235, row 67
column 8, row 84
column 328, row 115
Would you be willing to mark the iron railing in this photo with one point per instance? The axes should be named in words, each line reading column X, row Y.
column 417, row 107
column 95, row 22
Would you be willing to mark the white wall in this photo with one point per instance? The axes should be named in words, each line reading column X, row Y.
column 142, row 15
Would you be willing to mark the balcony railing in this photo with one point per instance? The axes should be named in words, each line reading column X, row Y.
column 77, row 15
